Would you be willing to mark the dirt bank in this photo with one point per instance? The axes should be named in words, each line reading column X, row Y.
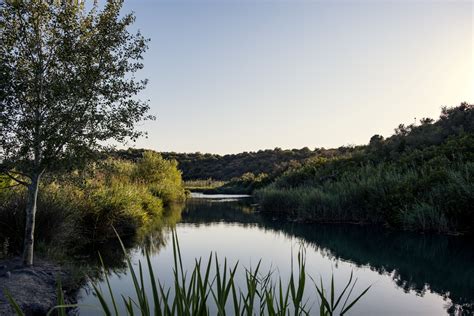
column 33, row 288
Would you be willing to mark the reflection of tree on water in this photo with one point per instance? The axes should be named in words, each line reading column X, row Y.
column 154, row 236
column 150, row 238
column 442, row 264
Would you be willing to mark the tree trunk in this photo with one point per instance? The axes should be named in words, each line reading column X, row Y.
column 30, row 220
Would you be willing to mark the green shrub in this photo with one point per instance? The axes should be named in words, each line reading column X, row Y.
column 162, row 176
column 80, row 207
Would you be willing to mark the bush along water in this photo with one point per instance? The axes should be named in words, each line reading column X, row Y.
column 421, row 178
column 78, row 208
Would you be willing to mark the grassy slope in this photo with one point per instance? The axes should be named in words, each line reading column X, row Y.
column 420, row 178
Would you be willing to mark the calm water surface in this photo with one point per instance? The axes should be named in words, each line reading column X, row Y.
column 410, row 274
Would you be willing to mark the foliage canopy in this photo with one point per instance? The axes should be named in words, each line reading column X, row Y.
column 67, row 82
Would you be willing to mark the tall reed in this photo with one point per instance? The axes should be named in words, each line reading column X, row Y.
column 213, row 286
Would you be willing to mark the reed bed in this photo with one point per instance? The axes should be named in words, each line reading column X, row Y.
column 211, row 289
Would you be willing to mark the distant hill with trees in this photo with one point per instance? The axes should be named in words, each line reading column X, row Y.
column 420, row 178
column 270, row 162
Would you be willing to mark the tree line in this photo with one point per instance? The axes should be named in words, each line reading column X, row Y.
column 202, row 166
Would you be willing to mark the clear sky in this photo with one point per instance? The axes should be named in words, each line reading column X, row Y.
column 231, row 76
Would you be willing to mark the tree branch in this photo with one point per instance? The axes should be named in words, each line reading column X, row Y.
column 16, row 179
column 10, row 186
column 19, row 173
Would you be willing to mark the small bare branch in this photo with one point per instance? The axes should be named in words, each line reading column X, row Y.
column 16, row 179
column 10, row 186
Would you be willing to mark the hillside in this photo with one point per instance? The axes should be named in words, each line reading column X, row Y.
column 420, row 178
column 227, row 167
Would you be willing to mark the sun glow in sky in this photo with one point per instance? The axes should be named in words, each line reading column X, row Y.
column 230, row 76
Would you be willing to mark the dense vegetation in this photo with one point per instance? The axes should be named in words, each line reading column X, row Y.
column 79, row 208
column 236, row 173
column 244, row 184
column 271, row 162
column 420, row 178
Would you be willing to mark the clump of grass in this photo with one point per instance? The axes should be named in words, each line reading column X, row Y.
column 211, row 284
column 425, row 217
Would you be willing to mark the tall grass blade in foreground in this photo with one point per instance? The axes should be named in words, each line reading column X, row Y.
column 329, row 305
column 13, row 303
column 212, row 287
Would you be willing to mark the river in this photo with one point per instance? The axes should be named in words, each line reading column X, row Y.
column 409, row 273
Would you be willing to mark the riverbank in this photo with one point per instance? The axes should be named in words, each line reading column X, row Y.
column 34, row 288
column 418, row 179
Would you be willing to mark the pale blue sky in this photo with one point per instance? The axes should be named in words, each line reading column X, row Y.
column 232, row 76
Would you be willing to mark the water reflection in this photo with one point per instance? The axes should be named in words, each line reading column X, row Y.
column 151, row 238
column 421, row 263
column 417, row 264
column 154, row 236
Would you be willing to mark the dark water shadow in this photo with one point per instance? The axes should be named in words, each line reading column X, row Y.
column 438, row 263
